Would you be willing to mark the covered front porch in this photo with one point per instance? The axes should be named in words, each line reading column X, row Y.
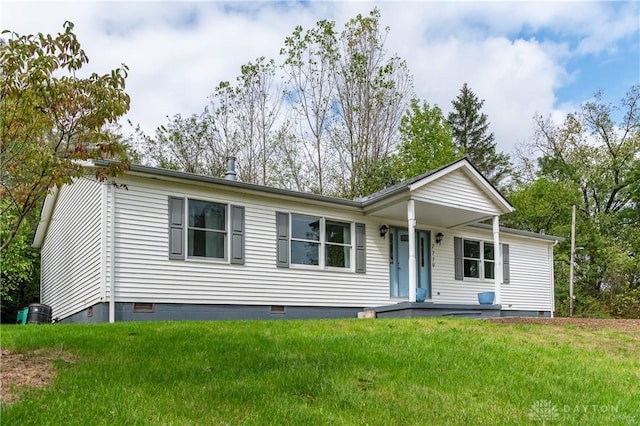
column 420, row 221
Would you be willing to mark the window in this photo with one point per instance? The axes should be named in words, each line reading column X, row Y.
column 479, row 259
column 472, row 259
column 316, row 241
column 489, row 261
column 476, row 259
column 305, row 240
column 207, row 229
column 338, row 244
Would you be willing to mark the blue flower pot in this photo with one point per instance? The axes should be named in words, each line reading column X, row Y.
column 421, row 294
column 486, row 298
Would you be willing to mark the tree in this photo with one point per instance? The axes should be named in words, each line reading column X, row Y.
column 426, row 142
column 223, row 106
column 596, row 153
column 348, row 97
column 344, row 101
column 372, row 94
column 597, row 159
column 245, row 120
column 188, row 144
column 543, row 206
column 51, row 120
column 259, row 100
column 310, row 62
column 19, row 269
column 470, row 130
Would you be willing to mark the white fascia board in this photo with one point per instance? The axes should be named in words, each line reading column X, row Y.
column 45, row 217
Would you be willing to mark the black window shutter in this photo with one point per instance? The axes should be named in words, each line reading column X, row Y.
column 361, row 248
column 282, row 234
column 458, row 261
column 176, row 228
column 237, row 235
column 506, row 277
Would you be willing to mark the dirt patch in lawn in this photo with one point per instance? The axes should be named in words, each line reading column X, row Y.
column 19, row 371
column 614, row 338
column 632, row 325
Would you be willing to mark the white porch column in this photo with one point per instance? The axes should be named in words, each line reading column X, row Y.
column 497, row 253
column 411, row 214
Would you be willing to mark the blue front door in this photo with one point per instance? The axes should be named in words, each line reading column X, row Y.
column 399, row 262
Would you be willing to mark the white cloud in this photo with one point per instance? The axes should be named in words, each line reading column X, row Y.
column 177, row 52
column 516, row 79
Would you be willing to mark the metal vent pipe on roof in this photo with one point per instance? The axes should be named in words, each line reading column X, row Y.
column 231, row 169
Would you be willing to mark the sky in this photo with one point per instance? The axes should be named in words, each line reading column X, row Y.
column 522, row 58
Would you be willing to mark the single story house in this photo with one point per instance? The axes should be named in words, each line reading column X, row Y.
column 162, row 244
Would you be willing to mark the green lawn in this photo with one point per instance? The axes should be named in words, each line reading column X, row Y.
column 383, row 372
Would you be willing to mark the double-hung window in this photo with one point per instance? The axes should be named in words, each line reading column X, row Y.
column 201, row 229
column 207, row 230
column 477, row 259
column 472, row 261
column 320, row 242
column 317, row 241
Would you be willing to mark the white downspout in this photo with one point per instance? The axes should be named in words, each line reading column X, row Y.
column 552, row 274
column 411, row 215
column 104, row 247
column 112, row 254
column 497, row 252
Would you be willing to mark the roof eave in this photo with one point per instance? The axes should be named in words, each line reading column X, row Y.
column 45, row 218
column 173, row 174
column 519, row 232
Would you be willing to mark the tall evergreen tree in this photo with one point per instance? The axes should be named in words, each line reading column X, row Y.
column 470, row 131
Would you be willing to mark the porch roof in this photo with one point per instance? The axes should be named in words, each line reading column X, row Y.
column 453, row 195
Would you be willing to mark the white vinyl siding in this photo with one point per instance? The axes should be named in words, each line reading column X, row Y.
column 145, row 274
column 456, row 189
column 71, row 269
column 529, row 287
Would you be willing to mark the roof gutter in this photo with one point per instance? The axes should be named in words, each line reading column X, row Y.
column 526, row 234
column 173, row 174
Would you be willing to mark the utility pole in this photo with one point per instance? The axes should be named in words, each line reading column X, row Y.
column 573, row 258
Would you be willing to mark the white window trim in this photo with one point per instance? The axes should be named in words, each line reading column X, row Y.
column 227, row 239
column 323, row 243
column 482, row 261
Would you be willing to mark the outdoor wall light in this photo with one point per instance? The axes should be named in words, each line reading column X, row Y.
column 384, row 229
column 439, row 237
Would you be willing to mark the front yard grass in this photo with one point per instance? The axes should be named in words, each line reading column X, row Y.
column 401, row 371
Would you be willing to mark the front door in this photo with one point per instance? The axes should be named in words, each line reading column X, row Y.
column 399, row 262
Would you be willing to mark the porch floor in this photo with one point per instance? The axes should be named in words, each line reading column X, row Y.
column 430, row 309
